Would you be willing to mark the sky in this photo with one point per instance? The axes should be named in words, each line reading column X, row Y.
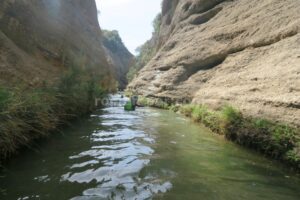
column 132, row 18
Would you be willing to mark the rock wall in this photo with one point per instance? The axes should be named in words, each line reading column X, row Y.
column 239, row 52
column 41, row 38
column 119, row 56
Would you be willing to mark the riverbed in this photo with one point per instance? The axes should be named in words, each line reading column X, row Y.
column 144, row 154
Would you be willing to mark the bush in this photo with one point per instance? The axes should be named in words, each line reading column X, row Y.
column 293, row 156
column 174, row 108
column 231, row 120
column 187, row 110
column 27, row 114
column 199, row 113
column 143, row 101
column 231, row 115
column 161, row 104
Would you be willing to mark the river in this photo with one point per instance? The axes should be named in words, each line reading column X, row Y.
column 145, row 154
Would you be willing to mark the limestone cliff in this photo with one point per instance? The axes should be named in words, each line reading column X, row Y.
column 239, row 52
column 119, row 56
column 41, row 38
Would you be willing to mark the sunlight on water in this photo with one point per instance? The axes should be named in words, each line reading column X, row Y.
column 144, row 154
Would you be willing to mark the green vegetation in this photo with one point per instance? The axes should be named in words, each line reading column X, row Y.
column 156, row 24
column 112, row 40
column 276, row 140
column 279, row 141
column 157, row 103
column 146, row 51
column 30, row 113
column 122, row 59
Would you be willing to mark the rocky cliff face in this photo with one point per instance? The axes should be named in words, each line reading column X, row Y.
column 239, row 52
column 41, row 38
column 119, row 56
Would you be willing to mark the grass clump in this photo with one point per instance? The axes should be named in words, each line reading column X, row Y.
column 30, row 113
column 231, row 120
column 187, row 110
column 174, row 108
column 199, row 113
column 144, row 101
column 153, row 102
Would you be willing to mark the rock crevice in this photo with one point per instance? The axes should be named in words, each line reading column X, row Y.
column 240, row 52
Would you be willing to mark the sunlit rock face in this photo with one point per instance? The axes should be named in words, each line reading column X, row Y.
column 41, row 38
column 238, row 52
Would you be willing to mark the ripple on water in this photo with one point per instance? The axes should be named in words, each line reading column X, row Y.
column 142, row 155
column 115, row 159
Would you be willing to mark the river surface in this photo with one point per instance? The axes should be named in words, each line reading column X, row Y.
column 145, row 154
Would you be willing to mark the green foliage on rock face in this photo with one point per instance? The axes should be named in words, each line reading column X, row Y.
column 279, row 141
column 120, row 57
column 113, row 41
column 146, row 51
column 27, row 114
column 157, row 23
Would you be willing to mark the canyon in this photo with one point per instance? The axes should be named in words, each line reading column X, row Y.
column 40, row 40
column 237, row 52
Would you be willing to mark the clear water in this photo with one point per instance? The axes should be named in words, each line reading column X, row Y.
column 145, row 154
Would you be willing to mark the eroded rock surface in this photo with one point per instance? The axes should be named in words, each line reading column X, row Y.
column 239, row 52
column 41, row 38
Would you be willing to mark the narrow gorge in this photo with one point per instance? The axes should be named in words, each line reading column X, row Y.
column 207, row 108
column 241, row 54
column 245, row 53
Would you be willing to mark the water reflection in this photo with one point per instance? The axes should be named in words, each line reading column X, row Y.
column 115, row 160
column 145, row 154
